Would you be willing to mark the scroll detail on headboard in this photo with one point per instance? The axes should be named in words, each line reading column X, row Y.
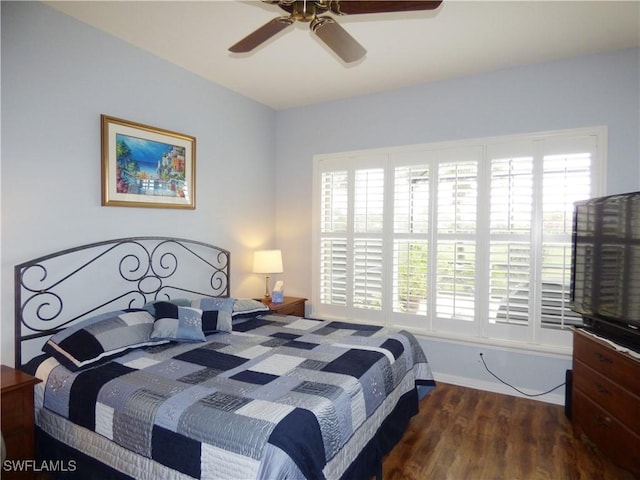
column 62, row 288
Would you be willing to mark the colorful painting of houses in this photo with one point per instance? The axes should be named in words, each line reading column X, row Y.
column 147, row 167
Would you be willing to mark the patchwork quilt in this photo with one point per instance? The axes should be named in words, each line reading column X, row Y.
column 277, row 397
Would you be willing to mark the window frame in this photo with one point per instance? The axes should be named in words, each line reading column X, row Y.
column 533, row 336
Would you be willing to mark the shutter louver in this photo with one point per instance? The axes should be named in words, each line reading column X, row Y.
column 333, row 271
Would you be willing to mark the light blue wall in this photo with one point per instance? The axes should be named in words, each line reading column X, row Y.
column 58, row 76
column 580, row 92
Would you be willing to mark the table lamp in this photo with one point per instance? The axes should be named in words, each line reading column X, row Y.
column 267, row 262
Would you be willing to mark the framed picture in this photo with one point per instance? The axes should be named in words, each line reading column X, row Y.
column 144, row 166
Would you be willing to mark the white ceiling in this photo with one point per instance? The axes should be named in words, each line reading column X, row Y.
column 295, row 69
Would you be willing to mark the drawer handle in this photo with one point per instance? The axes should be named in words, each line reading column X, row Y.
column 603, row 358
column 603, row 421
column 602, row 389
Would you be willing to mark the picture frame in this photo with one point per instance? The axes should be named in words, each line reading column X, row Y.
column 144, row 166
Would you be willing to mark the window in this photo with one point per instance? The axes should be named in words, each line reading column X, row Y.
column 470, row 239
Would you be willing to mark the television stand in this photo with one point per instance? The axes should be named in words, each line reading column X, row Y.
column 606, row 399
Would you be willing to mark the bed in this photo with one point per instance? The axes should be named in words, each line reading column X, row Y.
column 152, row 370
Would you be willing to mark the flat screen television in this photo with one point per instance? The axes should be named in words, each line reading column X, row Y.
column 605, row 270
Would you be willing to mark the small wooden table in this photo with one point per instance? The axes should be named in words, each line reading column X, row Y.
column 290, row 306
column 17, row 418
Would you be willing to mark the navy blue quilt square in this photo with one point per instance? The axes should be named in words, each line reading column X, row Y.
column 354, row 362
column 211, row 358
column 301, row 345
column 251, row 325
column 394, row 346
column 257, row 378
column 82, row 345
column 309, row 455
column 85, row 389
column 209, row 321
column 175, row 451
column 362, row 330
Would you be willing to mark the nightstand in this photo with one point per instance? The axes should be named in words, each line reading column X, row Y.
column 17, row 417
column 290, row 306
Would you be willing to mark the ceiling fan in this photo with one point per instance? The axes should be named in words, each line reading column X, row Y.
column 324, row 26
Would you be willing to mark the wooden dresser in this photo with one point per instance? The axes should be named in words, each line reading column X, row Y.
column 606, row 399
column 17, row 418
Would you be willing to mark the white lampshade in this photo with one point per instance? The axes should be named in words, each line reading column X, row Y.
column 267, row 261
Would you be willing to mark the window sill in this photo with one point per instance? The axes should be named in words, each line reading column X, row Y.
column 555, row 350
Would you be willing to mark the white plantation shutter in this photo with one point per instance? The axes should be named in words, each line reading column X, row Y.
column 367, row 245
column 511, row 210
column 350, row 249
column 457, row 210
column 566, row 179
column 333, row 245
column 410, row 244
column 471, row 238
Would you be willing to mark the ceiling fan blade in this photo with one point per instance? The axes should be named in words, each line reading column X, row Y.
column 261, row 35
column 351, row 7
column 337, row 39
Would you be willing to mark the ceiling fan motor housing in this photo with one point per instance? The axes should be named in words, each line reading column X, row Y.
column 304, row 11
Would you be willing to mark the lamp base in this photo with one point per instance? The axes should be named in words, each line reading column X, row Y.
column 267, row 295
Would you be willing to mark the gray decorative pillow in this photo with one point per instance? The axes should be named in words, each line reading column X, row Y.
column 99, row 339
column 187, row 327
column 216, row 313
column 244, row 308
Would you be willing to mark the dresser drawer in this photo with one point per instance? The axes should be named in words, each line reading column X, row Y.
column 296, row 309
column 611, row 397
column 609, row 435
column 613, row 365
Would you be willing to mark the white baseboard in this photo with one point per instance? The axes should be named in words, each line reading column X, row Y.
column 556, row 397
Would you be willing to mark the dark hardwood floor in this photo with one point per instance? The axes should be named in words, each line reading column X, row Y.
column 467, row 434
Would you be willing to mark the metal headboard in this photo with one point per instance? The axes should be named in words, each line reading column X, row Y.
column 62, row 288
